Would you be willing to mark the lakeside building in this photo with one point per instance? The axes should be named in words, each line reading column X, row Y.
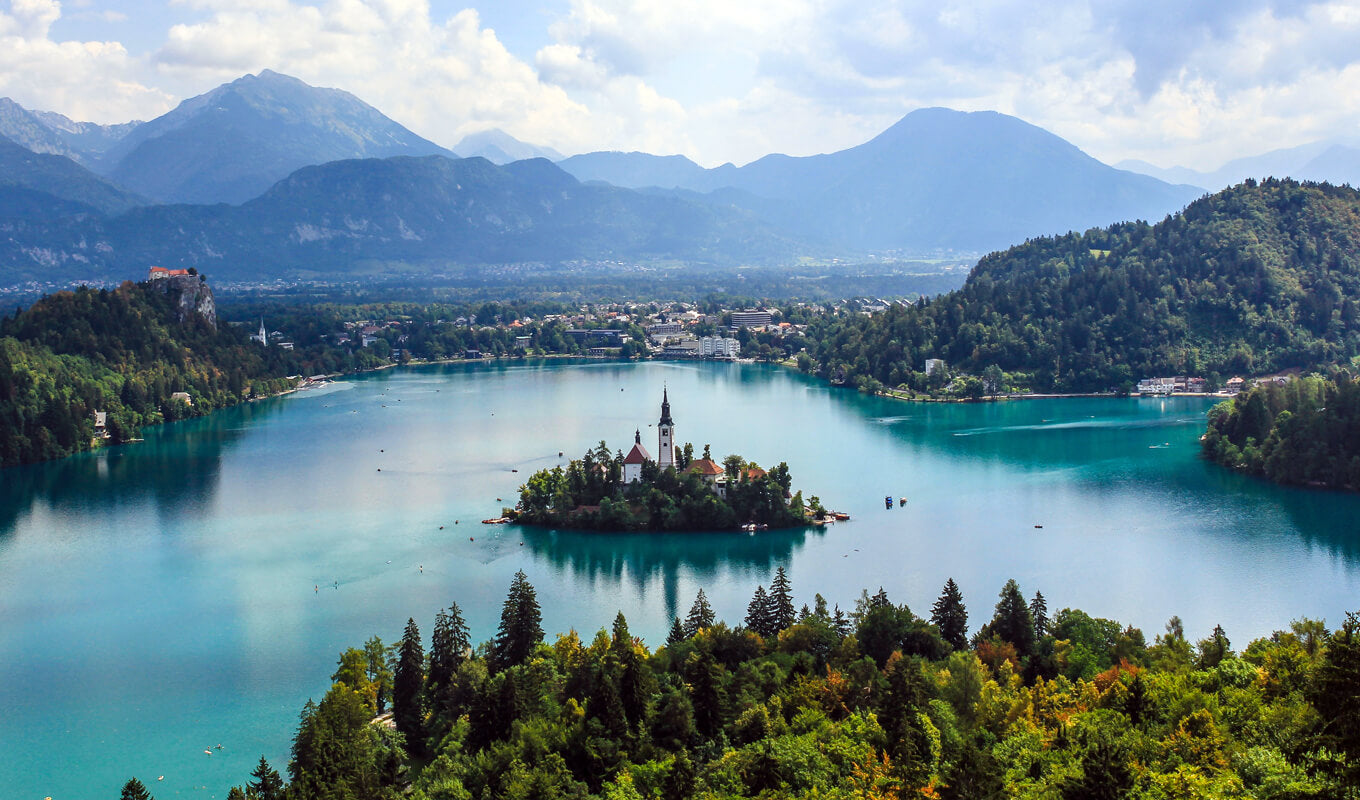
column 933, row 364
column 751, row 318
column 719, row 347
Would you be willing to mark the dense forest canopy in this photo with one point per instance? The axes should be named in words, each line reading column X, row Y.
column 126, row 351
column 1302, row 431
column 820, row 703
column 1257, row 278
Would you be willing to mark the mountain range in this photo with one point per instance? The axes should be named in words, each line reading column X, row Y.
column 937, row 179
column 267, row 174
column 1334, row 161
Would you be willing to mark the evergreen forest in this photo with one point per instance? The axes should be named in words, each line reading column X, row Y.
column 1257, row 278
column 1304, row 431
column 876, row 702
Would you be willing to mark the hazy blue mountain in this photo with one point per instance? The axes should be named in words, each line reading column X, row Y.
column 1333, row 161
column 234, row 142
column 1178, row 175
column 415, row 212
column 59, row 178
column 26, row 129
column 499, row 147
column 88, row 140
column 937, row 179
column 635, row 170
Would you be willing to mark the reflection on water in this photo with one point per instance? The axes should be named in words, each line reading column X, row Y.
column 177, row 468
column 646, row 559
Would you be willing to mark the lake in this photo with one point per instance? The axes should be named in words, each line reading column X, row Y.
column 195, row 589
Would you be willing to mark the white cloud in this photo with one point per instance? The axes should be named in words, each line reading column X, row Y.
column 719, row 80
column 93, row 80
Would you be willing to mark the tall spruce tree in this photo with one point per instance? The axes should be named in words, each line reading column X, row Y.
column 408, row 686
column 135, row 790
column 677, row 633
column 1012, row 621
column 760, row 614
column 1038, row 609
column 266, row 783
column 950, row 616
column 700, row 615
column 449, row 644
column 781, row 600
column 521, row 627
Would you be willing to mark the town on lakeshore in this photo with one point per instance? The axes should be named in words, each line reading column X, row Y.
column 673, row 491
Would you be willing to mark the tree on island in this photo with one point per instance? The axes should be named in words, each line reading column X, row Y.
column 521, row 626
column 589, row 493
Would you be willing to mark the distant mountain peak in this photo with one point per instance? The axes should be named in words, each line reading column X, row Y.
column 232, row 143
column 499, row 147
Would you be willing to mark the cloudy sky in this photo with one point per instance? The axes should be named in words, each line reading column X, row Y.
column 1169, row 81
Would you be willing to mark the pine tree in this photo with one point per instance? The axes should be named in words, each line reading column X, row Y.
column 840, row 622
column 1038, row 609
column 781, row 599
column 379, row 671
column 135, row 790
column 677, row 633
column 700, row 615
column 267, row 785
column 760, row 613
column 521, row 627
column 448, row 646
column 1012, row 621
column 408, row 685
column 950, row 616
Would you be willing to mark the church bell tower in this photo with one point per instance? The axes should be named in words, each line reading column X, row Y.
column 665, row 434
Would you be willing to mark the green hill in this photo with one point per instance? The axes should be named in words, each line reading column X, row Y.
column 1257, row 278
column 124, row 352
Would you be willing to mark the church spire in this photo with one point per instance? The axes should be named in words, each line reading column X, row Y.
column 637, row 436
column 665, row 408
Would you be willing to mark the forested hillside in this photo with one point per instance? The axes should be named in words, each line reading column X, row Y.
column 1306, row 431
column 124, row 351
column 818, row 703
column 1257, row 278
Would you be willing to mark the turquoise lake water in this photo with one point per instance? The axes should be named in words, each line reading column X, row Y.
column 162, row 598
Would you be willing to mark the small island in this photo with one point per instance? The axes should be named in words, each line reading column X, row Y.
column 674, row 492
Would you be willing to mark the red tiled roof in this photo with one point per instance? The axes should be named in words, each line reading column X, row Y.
column 705, row 466
column 637, row 455
column 754, row 472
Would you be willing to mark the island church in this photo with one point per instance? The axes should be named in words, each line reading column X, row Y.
column 665, row 457
column 665, row 442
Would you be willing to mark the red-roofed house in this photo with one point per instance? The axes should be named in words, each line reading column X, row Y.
column 157, row 273
column 632, row 463
column 712, row 472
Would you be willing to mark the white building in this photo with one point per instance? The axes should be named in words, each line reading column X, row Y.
column 751, row 318
column 632, row 463
column 719, row 347
column 263, row 336
column 933, row 364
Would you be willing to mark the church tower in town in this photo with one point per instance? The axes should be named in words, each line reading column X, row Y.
column 665, row 434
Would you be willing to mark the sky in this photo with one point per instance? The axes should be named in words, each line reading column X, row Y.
column 1173, row 82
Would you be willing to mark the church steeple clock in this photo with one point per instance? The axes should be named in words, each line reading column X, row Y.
column 665, row 434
